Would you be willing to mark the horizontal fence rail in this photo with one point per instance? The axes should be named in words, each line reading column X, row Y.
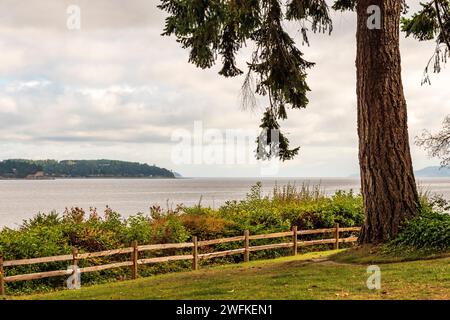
column 195, row 257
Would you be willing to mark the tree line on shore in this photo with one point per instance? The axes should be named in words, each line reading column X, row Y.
column 21, row 168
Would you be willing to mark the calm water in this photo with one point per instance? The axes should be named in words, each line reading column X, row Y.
column 21, row 199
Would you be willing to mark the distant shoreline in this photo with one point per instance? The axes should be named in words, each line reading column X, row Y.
column 24, row 169
column 204, row 178
column 92, row 178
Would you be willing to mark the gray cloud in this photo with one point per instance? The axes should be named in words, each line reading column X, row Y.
column 97, row 14
column 117, row 89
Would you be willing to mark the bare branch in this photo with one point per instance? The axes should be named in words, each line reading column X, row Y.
column 438, row 145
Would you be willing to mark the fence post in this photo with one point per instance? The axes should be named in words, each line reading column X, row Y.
column 74, row 266
column 2, row 278
column 246, row 246
column 294, row 240
column 195, row 253
column 336, row 244
column 134, row 259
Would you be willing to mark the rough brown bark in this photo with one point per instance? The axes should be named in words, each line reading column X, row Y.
column 387, row 178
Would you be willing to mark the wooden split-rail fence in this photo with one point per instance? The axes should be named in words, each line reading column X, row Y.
column 135, row 249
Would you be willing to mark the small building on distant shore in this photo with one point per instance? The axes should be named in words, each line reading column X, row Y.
column 36, row 175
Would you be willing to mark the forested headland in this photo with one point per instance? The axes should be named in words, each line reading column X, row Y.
column 36, row 169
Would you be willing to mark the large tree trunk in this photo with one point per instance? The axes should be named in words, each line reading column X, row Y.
column 387, row 178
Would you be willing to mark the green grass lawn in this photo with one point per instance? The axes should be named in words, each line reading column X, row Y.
column 309, row 276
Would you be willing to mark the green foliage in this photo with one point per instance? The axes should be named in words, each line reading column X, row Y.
column 18, row 168
column 211, row 29
column 207, row 225
column 431, row 22
column 51, row 234
column 422, row 25
column 306, row 207
column 277, row 70
column 137, row 229
column 343, row 5
column 428, row 231
column 80, row 168
column 168, row 230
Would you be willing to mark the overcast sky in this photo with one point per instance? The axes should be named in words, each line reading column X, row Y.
column 116, row 89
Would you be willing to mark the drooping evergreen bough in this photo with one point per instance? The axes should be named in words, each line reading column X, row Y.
column 216, row 30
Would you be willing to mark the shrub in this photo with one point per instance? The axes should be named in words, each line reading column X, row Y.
column 430, row 230
column 51, row 234
column 137, row 228
column 168, row 229
column 205, row 227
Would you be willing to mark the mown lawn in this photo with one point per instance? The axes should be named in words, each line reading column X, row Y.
column 308, row 276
